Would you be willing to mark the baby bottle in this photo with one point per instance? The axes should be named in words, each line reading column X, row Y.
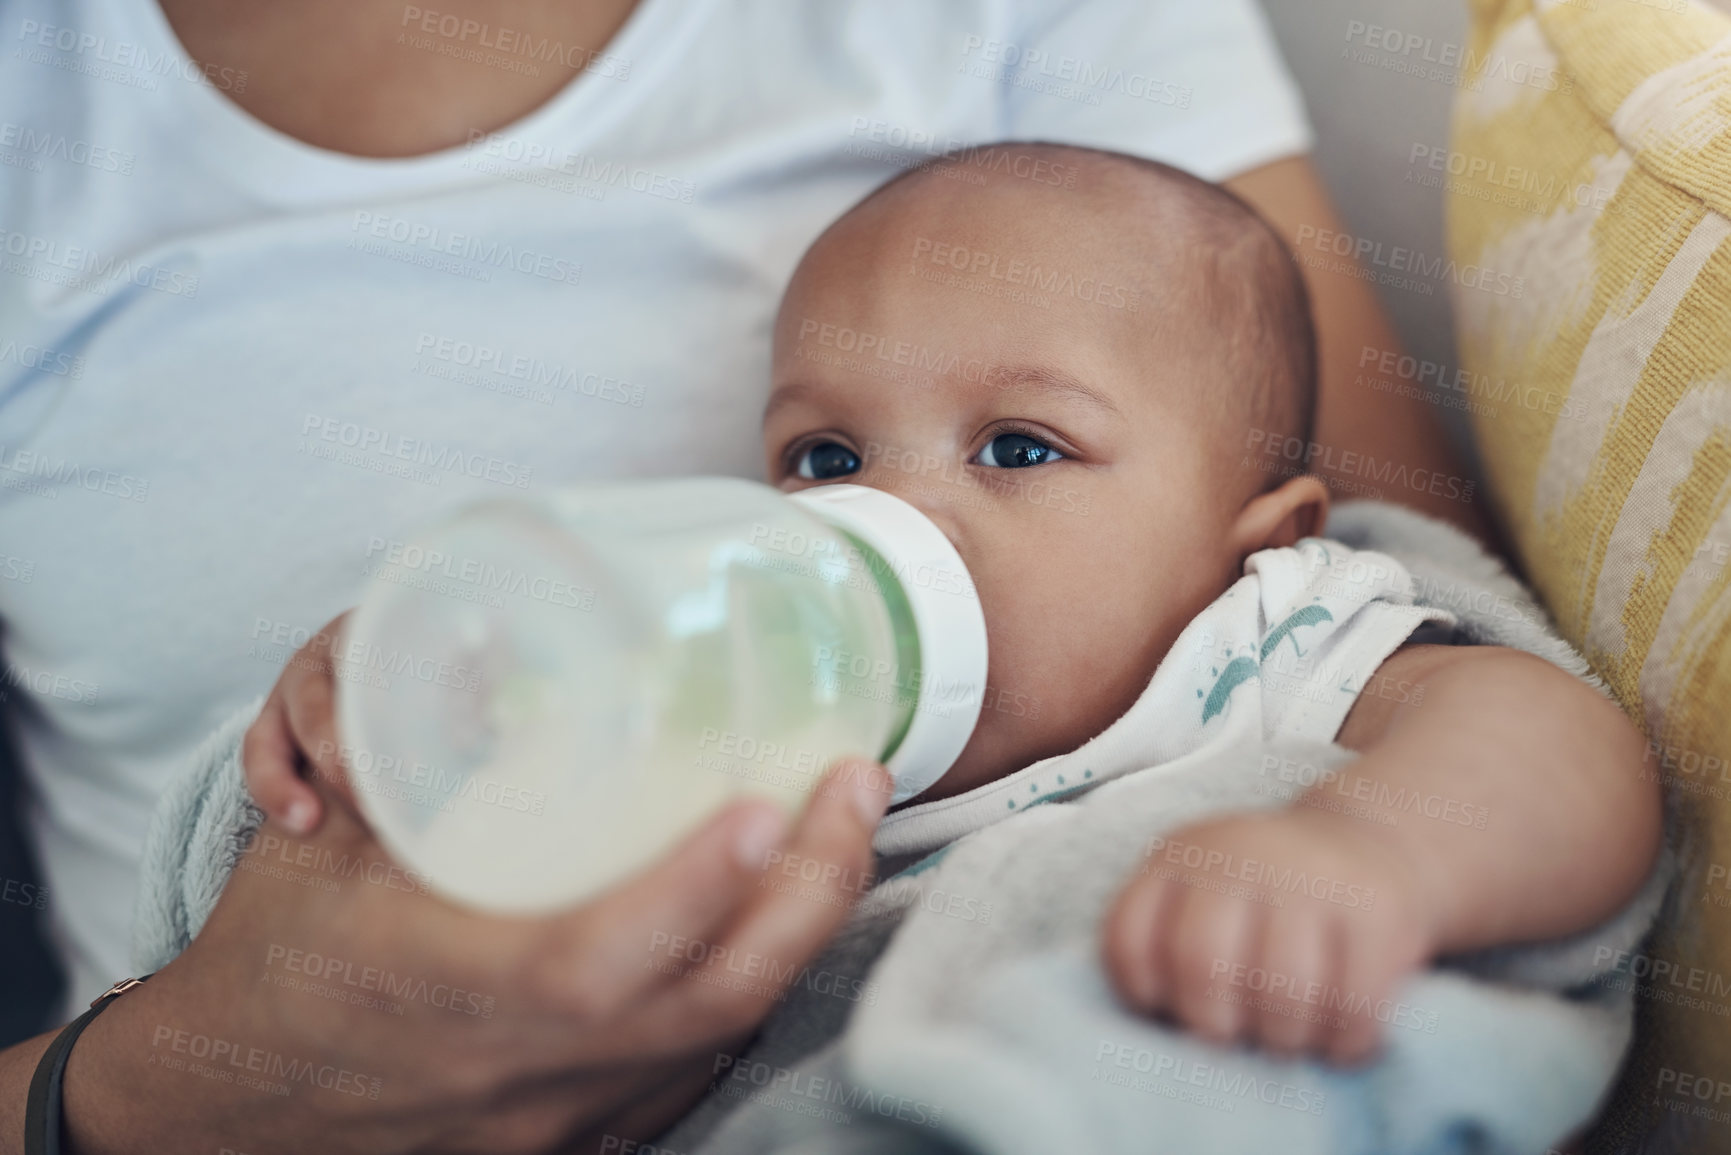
column 539, row 697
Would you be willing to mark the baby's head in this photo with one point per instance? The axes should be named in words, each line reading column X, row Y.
column 1056, row 354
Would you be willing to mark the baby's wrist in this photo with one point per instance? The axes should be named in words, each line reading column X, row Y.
column 1408, row 872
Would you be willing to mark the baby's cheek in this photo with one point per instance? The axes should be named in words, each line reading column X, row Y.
column 1027, row 645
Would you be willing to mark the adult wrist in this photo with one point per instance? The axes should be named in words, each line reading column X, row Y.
column 43, row 1110
column 114, row 1101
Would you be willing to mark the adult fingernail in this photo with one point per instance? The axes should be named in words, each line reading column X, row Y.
column 760, row 833
column 869, row 789
column 299, row 816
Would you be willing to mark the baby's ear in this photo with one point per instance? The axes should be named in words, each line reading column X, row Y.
column 1280, row 517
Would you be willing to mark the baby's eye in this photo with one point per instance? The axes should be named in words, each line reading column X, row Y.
column 825, row 460
column 1016, row 451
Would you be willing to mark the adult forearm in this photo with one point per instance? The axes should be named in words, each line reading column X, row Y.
column 1517, row 792
column 110, row 1103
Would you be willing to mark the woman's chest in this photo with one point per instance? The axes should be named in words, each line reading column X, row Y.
column 381, row 78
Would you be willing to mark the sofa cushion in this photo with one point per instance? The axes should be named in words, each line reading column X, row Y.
column 1588, row 185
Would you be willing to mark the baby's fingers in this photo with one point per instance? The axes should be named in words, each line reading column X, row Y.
column 269, row 757
column 310, row 703
column 1370, row 964
column 1210, row 933
column 1295, row 982
column 1133, row 933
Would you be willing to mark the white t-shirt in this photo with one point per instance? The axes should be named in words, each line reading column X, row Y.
column 233, row 367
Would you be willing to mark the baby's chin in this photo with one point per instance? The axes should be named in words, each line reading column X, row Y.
column 1037, row 719
column 1000, row 746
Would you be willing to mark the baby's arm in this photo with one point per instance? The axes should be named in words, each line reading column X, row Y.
column 1543, row 825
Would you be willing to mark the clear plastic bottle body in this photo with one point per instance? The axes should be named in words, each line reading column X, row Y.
column 574, row 683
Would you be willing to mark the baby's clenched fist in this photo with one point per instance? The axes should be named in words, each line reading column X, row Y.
column 1289, row 930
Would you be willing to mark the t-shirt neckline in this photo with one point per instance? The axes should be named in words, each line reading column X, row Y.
column 280, row 167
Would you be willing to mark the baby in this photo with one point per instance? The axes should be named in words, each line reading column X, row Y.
column 1064, row 375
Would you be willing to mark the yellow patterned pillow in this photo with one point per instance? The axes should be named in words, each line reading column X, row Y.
column 1591, row 171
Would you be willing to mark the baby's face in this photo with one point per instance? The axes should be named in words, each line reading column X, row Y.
column 1048, row 427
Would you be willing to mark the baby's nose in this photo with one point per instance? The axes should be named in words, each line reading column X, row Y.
column 935, row 492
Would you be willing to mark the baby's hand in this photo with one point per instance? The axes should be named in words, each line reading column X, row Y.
column 1288, row 929
column 296, row 729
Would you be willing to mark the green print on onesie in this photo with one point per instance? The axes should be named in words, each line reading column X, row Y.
column 1308, row 616
column 1241, row 669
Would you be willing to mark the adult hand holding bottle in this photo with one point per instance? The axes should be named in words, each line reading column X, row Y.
column 496, row 1034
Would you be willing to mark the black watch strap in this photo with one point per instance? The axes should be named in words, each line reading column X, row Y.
column 42, row 1115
